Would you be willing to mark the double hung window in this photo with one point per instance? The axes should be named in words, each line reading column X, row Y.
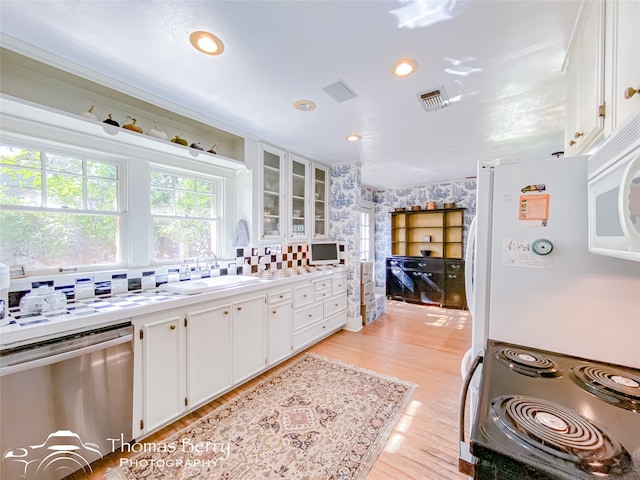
column 59, row 209
column 185, row 212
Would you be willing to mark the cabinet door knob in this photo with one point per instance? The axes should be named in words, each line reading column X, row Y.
column 310, row 315
column 238, row 308
column 226, row 312
column 572, row 143
column 577, row 134
column 630, row 92
column 172, row 327
column 273, row 311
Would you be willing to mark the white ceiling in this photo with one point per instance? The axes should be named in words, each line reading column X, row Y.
column 499, row 61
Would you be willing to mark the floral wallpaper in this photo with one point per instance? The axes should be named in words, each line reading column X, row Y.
column 345, row 226
column 462, row 192
column 347, row 195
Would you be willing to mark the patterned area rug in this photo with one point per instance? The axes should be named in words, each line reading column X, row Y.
column 313, row 419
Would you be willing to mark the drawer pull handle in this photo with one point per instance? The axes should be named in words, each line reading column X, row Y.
column 273, row 311
column 226, row 312
column 310, row 315
column 281, row 296
column 172, row 327
column 305, row 295
column 238, row 308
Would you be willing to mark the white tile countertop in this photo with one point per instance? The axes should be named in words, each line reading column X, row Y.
column 81, row 315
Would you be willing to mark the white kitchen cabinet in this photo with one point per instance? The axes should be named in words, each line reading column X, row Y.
column 319, row 309
column 249, row 348
column 585, row 80
column 298, row 223
column 208, row 350
column 294, row 198
column 320, row 190
column 622, row 61
column 184, row 357
column 163, row 364
column 272, row 197
column 279, row 317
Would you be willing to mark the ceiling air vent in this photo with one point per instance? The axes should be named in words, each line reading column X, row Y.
column 434, row 99
column 340, row 91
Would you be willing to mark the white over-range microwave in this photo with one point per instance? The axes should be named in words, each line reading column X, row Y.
column 614, row 193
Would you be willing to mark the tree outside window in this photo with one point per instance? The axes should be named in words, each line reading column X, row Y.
column 58, row 210
column 185, row 215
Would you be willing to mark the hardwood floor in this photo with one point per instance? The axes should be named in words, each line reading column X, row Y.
column 423, row 345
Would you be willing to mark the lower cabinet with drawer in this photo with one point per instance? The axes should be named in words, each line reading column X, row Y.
column 325, row 313
column 279, row 326
column 454, row 288
column 185, row 357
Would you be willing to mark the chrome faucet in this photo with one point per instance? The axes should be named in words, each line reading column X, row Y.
column 207, row 253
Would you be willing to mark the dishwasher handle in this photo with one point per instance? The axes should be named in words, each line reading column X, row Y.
column 466, row 463
column 60, row 357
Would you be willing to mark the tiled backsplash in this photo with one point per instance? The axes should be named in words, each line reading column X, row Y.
column 271, row 258
column 249, row 260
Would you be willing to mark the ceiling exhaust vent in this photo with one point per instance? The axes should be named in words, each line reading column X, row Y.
column 434, row 99
column 340, row 91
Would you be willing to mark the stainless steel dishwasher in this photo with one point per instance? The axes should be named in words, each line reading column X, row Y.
column 61, row 401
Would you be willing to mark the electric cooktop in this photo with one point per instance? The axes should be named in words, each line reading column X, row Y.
column 545, row 415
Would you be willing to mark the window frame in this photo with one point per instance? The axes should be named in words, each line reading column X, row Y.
column 122, row 198
column 136, row 230
column 219, row 189
column 367, row 208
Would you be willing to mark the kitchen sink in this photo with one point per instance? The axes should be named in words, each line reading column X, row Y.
column 202, row 285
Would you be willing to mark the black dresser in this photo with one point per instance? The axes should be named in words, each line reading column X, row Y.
column 427, row 281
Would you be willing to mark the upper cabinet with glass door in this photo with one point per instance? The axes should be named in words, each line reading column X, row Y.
column 298, row 198
column 272, row 182
column 320, row 183
column 294, row 199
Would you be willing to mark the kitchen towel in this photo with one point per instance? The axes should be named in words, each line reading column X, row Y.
column 241, row 238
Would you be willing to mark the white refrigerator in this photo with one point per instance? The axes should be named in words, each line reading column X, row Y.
column 531, row 280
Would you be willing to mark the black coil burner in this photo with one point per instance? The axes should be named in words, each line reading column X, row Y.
column 614, row 386
column 528, row 363
column 562, row 433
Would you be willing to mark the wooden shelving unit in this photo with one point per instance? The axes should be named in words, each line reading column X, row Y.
column 437, row 230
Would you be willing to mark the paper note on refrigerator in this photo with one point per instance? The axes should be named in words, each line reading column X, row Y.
column 534, row 210
column 517, row 253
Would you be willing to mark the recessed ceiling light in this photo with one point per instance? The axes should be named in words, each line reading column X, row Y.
column 206, row 42
column 304, row 105
column 404, row 67
column 353, row 137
